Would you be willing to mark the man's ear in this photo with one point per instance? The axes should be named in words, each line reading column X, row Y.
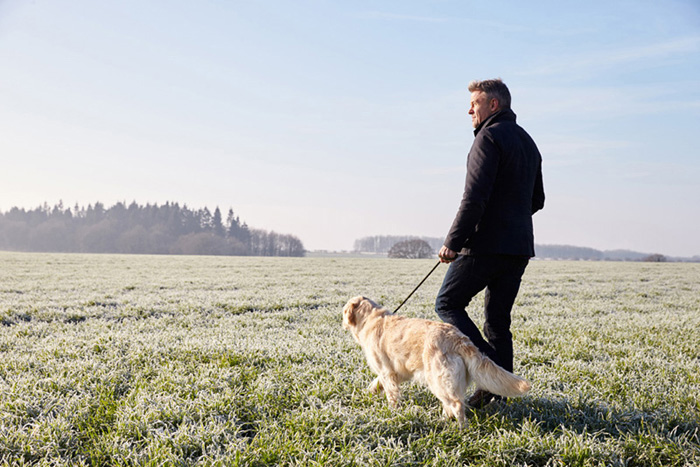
column 494, row 104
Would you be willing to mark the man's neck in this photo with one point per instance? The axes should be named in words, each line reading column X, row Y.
column 486, row 120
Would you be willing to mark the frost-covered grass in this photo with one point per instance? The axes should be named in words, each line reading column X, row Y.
column 146, row 360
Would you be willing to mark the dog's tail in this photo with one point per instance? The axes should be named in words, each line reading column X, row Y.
column 487, row 375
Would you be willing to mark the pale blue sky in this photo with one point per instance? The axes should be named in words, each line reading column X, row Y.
column 333, row 120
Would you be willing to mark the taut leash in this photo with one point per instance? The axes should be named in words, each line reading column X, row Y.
column 421, row 283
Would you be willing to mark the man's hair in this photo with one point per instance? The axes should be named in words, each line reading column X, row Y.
column 494, row 89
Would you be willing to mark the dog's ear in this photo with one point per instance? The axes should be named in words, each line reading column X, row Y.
column 349, row 309
column 350, row 315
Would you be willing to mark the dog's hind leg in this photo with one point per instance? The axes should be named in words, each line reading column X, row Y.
column 447, row 380
column 452, row 403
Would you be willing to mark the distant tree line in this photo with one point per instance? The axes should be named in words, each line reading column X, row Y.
column 150, row 229
column 382, row 244
column 591, row 254
column 568, row 252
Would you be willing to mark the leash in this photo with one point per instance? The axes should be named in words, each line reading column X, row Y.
column 421, row 283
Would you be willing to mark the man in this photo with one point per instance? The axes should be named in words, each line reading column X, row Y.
column 491, row 239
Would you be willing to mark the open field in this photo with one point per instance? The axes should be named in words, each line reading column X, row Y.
column 148, row 360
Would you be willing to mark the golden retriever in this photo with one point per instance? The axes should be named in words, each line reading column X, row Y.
column 436, row 354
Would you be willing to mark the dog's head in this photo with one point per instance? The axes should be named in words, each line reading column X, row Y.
column 356, row 312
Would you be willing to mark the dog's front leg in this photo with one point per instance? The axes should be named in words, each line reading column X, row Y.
column 375, row 386
column 391, row 389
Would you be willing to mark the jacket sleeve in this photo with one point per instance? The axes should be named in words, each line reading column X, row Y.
column 538, row 192
column 482, row 167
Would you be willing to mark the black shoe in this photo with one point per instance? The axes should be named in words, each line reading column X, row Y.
column 481, row 398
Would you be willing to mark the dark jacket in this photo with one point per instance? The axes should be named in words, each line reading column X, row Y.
column 502, row 191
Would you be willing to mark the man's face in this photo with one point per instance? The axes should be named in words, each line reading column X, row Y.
column 481, row 107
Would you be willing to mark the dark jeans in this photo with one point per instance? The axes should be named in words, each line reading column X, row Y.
column 500, row 275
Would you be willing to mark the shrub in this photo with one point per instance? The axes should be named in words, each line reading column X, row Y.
column 411, row 249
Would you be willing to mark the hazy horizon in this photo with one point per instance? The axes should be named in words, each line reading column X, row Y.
column 387, row 240
column 334, row 121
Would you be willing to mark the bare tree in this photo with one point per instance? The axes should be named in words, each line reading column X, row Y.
column 411, row 249
column 655, row 258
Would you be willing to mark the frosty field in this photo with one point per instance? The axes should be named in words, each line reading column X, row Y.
column 173, row 360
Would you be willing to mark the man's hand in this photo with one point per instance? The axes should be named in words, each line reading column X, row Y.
column 446, row 255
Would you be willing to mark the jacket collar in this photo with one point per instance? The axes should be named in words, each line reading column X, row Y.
column 500, row 116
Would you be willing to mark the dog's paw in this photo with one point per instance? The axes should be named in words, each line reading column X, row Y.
column 375, row 386
column 393, row 399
